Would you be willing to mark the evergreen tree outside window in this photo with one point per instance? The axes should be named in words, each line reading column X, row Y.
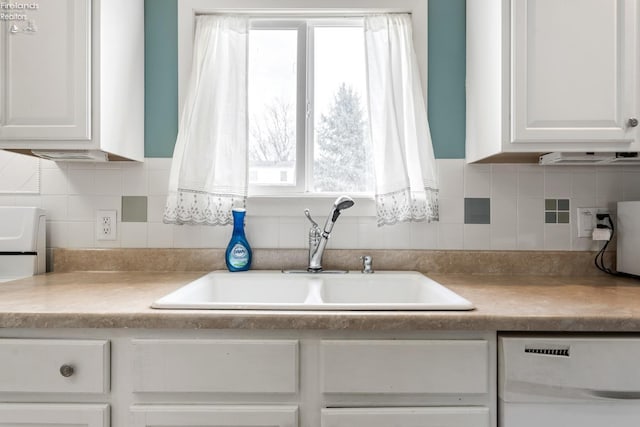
column 308, row 117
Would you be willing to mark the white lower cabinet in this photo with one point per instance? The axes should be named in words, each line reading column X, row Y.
column 215, row 416
column 60, row 415
column 406, row 417
column 405, row 366
column 246, row 378
column 64, row 371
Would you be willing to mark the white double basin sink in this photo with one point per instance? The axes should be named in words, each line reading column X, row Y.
column 274, row 290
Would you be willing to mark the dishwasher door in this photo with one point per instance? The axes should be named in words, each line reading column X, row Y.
column 567, row 381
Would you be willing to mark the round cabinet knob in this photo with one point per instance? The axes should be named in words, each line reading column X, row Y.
column 633, row 122
column 66, row 370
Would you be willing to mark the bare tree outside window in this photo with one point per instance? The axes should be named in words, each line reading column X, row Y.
column 273, row 134
column 328, row 132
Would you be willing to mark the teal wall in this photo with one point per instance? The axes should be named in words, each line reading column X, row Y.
column 446, row 101
column 161, row 77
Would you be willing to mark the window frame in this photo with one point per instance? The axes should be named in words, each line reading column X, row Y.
column 287, row 204
column 300, row 25
column 305, row 25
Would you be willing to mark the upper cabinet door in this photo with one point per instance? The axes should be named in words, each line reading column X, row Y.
column 45, row 72
column 572, row 66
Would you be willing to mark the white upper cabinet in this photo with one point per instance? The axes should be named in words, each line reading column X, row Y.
column 548, row 75
column 72, row 79
column 46, row 74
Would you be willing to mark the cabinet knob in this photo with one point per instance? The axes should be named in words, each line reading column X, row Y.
column 633, row 122
column 66, row 370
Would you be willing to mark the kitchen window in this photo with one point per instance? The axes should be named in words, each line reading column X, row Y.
column 273, row 103
column 308, row 130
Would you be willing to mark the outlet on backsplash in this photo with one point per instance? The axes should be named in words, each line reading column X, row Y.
column 106, row 225
column 587, row 220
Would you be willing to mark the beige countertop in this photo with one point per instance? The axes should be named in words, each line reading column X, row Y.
column 504, row 303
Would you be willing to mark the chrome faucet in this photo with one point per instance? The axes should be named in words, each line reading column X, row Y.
column 318, row 239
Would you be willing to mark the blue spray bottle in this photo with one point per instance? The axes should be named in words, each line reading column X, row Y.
column 238, row 255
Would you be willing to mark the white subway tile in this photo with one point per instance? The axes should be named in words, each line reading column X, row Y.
column 80, row 208
column 81, row 181
column 530, row 183
column 608, row 186
column 53, row 181
column 343, row 236
column 397, row 236
column 451, row 236
column 262, row 232
column 155, row 208
column 477, row 236
column 157, row 163
column 187, row 236
column 109, row 203
column 504, row 223
column 159, row 235
column 530, row 224
column 293, row 233
column 504, row 237
column 217, row 236
column 108, row 182
column 477, row 181
column 80, row 234
column 158, row 182
column 504, row 185
column 557, row 184
column 584, row 185
column 56, row 207
column 369, row 235
column 133, row 234
column 557, row 237
column 57, row 234
column 135, row 181
column 424, row 235
column 451, row 177
column 451, row 210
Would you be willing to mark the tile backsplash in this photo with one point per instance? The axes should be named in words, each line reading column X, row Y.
column 482, row 207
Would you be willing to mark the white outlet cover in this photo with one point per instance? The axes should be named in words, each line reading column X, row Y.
column 587, row 220
column 106, row 225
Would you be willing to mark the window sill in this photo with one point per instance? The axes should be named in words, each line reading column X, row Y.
column 318, row 204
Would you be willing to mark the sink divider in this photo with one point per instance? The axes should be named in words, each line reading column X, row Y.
column 314, row 295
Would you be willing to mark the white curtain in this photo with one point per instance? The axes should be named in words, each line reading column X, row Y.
column 404, row 164
column 209, row 168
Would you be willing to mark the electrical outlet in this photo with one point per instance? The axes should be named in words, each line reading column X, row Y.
column 587, row 220
column 106, row 225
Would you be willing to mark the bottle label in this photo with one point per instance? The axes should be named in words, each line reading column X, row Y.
column 239, row 256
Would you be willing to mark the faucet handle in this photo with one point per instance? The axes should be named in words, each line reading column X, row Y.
column 367, row 264
column 307, row 213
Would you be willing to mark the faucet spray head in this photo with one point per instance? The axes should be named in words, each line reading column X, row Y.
column 341, row 203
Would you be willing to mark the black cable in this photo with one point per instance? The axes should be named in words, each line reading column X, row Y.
column 599, row 260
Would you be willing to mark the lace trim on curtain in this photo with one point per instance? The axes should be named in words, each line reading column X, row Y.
column 405, row 206
column 201, row 208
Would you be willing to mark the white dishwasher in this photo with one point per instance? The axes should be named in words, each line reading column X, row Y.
column 568, row 381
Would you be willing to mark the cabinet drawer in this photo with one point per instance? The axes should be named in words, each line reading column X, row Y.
column 36, row 365
column 405, row 417
column 43, row 414
column 410, row 366
column 214, row 416
column 218, row 366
